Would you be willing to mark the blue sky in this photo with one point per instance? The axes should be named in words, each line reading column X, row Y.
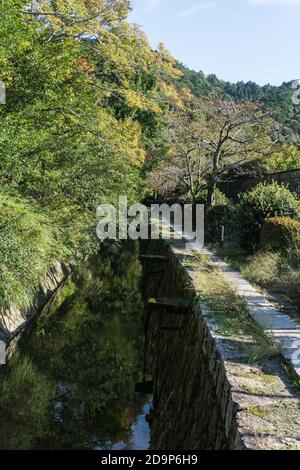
column 256, row 40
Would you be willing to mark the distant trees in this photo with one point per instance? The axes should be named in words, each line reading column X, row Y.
column 276, row 100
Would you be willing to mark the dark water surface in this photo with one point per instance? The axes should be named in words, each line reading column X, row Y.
column 71, row 384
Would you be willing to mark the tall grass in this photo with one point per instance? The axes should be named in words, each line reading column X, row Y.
column 274, row 269
column 29, row 244
column 229, row 310
column 279, row 271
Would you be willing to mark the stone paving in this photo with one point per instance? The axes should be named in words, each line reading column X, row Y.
column 257, row 398
column 280, row 327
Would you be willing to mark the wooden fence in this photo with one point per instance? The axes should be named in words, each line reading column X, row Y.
column 291, row 179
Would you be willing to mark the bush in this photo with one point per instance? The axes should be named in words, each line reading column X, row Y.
column 280, row 234
column 262, row 202
column 216, row 217
column 221, row 199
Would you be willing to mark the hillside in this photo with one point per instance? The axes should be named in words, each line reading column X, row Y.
column 274, row 99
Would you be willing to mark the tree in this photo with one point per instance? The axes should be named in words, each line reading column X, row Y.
column 214, row 137
column 85, row 103
column 286, row 157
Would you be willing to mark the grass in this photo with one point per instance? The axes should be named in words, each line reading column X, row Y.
column 279, row 272
column 28, row 246
column 31, row 240
column 229, row 310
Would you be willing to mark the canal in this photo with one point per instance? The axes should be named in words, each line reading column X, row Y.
column 71, row 383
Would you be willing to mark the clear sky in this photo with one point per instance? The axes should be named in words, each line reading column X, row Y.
column 256, row 40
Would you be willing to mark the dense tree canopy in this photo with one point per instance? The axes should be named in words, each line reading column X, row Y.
column 86, row 102
column 82, row 100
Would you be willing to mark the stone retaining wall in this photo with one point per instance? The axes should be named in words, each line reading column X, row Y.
column 13, row 322
column 208, row 394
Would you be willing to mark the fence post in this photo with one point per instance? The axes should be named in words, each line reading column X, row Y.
column 2, row 353
column 2, row 92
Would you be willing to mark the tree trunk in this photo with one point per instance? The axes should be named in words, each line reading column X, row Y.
column 211, row 194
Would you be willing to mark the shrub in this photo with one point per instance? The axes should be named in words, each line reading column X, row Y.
column 221, row 199
column 216, row 217
column 280, row 234
column 262, row 202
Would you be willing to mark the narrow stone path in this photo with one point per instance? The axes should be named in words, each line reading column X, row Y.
column 280, row 327
column 283, row 329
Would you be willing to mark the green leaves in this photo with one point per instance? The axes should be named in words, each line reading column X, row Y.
column 76, row 106
column 261, row 202
column 85, row 102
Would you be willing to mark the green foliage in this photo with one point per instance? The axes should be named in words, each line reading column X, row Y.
column 280, row 234
column 29, row 243
column 287, row 157
column 25, row 397
column 85, row 103
column 218, row 216
column 260, row 203
column 221, row 199
column 276, row 100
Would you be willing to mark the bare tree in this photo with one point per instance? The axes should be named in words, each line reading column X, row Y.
column 215, row 137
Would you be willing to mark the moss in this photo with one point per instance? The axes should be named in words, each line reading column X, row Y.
column 271, row 411
column 261, row 376
column 256, row 411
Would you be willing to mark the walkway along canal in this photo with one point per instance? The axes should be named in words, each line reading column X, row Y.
column 218, row 383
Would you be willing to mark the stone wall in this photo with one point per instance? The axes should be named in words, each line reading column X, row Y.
column 13, row 322
column 207, row 394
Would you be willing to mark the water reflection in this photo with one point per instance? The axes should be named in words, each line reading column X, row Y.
column 71, row 385
column 139, row 439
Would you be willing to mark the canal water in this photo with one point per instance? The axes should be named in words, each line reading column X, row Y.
column 71, row 384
